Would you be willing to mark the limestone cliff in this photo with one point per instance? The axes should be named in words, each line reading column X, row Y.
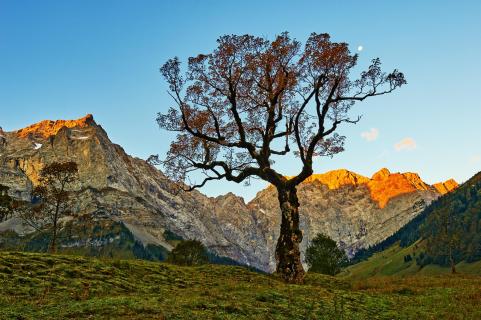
column 354, row 210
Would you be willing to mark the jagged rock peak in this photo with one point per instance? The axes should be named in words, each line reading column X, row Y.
column 447, row 186
column 337, row 178
column 229, row 195
column 416, row 181
column 230, row 201
column 383, row 185
column 381, row 174
column 48, row 128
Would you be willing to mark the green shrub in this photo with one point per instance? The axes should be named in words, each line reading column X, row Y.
column 323, row 256
column 189, row 253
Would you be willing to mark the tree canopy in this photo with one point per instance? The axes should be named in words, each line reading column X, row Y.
column 252, row 98
column 324, row 256
column 52, row 198
column 189, row 253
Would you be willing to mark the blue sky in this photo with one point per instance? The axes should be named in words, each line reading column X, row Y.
column 64, row 59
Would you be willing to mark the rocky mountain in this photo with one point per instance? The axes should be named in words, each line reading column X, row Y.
column 124, row 189
column 423, row 242
column 354, row 210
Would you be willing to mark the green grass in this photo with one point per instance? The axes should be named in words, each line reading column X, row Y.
column 390, row 262
column 42, row 286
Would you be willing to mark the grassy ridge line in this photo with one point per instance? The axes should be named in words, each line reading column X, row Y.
column 41, row 286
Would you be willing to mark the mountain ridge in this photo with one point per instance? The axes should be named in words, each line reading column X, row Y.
column 383, row 184
column 48, row 128
column 130, row 190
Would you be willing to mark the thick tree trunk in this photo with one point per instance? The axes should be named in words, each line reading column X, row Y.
column 288, row 255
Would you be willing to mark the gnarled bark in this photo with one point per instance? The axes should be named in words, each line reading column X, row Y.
column 288, row 255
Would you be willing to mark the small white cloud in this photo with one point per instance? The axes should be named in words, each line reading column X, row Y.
column 370, row 135
column 475, row 158
column 405, row 144
column 360, row 48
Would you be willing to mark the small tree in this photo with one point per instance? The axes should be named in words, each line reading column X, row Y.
column 251, row 100
column 324, row 256
column 6, row 204
column 189, row 253
column 52, row 199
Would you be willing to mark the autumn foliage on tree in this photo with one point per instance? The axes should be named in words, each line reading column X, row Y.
column 52, row 199
column 251, row 100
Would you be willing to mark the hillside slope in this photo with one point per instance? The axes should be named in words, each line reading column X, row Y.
column 391, row 262
column 413, row 239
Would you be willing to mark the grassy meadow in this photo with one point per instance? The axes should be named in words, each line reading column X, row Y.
column 43, row 286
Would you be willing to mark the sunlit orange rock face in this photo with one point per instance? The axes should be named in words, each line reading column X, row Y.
column 48, row 128
column 338, row 178
column 445, row 187
column 387, row 186
column 383, row 185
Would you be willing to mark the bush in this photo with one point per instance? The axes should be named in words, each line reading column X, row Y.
column 189, row 253
column 323, row 256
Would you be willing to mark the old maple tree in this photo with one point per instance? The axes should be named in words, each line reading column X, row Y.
column 252, row 99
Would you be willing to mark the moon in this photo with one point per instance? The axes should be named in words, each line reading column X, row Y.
column 360, row 48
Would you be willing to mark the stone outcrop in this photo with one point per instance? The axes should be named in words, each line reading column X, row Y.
column 385, row 186
column 354, row 210
column 48, row 128
column 338, row 178
column 447, row 186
